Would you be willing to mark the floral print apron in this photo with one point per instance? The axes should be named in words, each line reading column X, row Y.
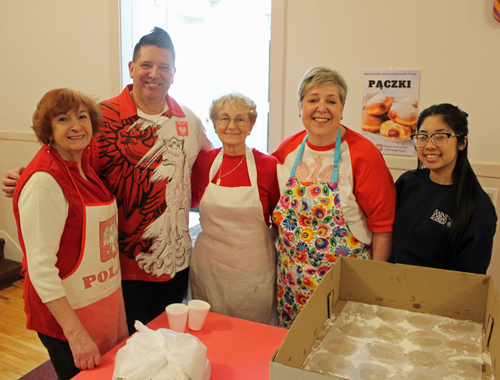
column 312, row 234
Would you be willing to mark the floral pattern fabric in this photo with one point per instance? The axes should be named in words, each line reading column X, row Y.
column 312, row 234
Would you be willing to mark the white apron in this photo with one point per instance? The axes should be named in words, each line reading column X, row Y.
column 93, row 288
column 233, row 265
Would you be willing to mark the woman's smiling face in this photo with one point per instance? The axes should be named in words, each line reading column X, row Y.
column 321, row 112
column 440, row 160
column 71, row 133
column 231, row 135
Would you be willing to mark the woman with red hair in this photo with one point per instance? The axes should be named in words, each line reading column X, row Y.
column 67, row 226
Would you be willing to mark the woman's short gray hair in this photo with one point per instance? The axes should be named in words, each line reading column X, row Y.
column 322, row 76
column 233, row 100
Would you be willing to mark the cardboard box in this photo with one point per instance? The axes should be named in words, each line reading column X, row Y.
column 458, row 295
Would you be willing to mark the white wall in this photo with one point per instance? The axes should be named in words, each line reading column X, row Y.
column 56, row 43
column 45, row 45
column 454, row 44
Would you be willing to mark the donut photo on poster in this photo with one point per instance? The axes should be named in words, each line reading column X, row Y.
column 390, row 109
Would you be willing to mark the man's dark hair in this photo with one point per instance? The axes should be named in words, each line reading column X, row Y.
column 158, row 37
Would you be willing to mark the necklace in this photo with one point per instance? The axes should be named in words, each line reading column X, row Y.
column 229, row 172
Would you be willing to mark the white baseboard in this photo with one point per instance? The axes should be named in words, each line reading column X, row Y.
column 12, row 250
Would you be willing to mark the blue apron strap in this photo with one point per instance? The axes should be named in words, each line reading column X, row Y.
column 335, row 173
column 297, row 160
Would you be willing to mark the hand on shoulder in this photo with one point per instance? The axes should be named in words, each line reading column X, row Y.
column 9, row 181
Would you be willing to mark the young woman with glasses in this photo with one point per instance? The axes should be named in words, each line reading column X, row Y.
column 444, row 219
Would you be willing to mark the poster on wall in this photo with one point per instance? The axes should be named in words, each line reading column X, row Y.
column 390, row 109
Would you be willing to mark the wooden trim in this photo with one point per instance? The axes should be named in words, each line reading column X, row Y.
column 482, row 169
column 17, row 136
column 277, row 74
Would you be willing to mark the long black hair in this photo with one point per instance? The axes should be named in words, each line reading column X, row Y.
column 464, row 178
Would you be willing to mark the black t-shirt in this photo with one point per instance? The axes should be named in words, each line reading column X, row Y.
column 423, row 217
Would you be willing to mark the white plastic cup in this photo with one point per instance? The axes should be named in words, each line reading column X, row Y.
column 198, row 311
column 177, row 316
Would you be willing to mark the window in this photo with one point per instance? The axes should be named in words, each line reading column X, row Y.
column 221, row 46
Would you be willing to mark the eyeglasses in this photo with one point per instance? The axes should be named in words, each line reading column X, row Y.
column 438, row 139
column 238, row 120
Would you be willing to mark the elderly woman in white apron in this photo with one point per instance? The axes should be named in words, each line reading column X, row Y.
column 338, row 196
column 233, row 265
column 67, row 226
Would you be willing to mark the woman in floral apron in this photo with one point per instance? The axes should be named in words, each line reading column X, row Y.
column 338, row 196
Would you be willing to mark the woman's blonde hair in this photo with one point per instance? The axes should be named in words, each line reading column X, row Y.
column 233, row 100
column 322, row 76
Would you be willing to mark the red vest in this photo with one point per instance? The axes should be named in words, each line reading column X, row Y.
column 39, row 317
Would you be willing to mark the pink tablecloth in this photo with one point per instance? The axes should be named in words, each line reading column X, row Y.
column 237, row 349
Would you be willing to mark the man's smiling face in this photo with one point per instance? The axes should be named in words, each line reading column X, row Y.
column 153, row 74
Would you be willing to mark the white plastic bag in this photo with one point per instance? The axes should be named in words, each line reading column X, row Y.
column 160, row 355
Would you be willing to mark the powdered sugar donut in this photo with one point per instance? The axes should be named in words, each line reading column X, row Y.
column 378, row 104
column 411, row 101
column 370, row 123
column 403, row 113
column 394, row 130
